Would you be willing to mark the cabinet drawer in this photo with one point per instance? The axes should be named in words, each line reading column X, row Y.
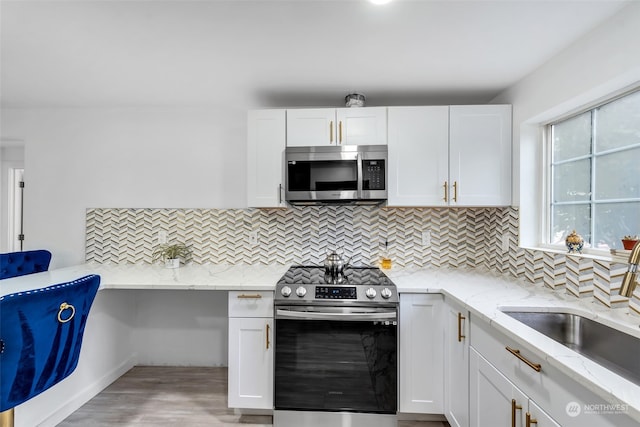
column 250, row 304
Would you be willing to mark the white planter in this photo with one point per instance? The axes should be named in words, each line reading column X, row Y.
column 172, row 263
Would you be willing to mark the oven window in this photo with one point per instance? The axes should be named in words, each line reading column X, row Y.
column 334, row 175
column 335, row 366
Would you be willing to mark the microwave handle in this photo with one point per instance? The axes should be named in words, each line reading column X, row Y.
column 360, row 176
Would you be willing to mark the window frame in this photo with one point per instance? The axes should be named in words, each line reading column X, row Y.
column 547, row 173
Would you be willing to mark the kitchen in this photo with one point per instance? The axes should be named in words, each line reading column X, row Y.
column 141, row 146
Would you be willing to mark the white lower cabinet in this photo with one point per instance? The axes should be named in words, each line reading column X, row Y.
column 456, row 364
column 496, row 401
column 421, row 354
column 509, row 380
column 250, row 384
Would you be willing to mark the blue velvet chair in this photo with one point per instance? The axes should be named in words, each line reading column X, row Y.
column 14, row 264
column 41, row 335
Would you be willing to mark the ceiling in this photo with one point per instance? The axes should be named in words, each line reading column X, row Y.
column 246, row 54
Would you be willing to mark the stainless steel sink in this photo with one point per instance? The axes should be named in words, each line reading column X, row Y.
column 616, row 350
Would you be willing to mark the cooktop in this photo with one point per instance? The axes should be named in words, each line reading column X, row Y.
column 352, row 275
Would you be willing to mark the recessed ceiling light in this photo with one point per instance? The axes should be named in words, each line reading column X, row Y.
column 380, row 1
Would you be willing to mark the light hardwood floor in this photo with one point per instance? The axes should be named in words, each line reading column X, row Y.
column 177, row 396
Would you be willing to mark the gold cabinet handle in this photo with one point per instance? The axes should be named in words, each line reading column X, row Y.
column 460, row 319
column 445, row 191
column 251, row 296
column 514, row 407
column 268, row 336
column 331, row 132
column 530, row 420
column 340, row 132
column 455, row 191
column 535, row 366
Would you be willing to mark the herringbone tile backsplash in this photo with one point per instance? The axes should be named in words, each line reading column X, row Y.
column 459, row 237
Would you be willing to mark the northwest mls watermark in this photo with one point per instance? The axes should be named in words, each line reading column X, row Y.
column 574, row 409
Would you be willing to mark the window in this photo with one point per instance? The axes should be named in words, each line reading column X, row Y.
column 595, row 174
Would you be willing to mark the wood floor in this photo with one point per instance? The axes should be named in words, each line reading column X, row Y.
column 162, row 396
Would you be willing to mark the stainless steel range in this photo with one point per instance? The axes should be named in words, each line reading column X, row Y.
column 335, row 348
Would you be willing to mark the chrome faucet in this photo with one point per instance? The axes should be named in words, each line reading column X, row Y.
column 629, row 281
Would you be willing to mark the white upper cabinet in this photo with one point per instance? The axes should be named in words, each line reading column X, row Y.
column 362, row 126
column 480, row 155
column 418, row 155
column 450, row 156
column 311, row 126
column 266, row 136
column 342, row 126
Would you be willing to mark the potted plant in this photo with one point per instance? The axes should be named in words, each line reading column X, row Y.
column 170, row 254
column 630, row 241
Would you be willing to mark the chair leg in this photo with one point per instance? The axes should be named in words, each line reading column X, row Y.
column 6, row 418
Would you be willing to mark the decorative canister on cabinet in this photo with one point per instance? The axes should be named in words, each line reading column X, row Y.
column 574, row 242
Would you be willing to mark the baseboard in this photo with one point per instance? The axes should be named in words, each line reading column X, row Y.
column 406, row 416
column 87, row 393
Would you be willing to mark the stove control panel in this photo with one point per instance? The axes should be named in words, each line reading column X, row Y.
column 336, row 292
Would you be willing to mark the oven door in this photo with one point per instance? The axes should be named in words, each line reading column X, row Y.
column 336, row 359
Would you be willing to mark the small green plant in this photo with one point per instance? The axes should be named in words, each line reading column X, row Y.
column 171, row 251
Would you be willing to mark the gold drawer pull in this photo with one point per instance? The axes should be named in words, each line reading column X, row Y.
column 455, row 191
column 514, row 407
column 254, row 296
column 530, row 420
column 445, row 191
column 535, row 366
column 460, row 319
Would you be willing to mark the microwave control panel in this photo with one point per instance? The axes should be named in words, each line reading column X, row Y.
column 373, row 175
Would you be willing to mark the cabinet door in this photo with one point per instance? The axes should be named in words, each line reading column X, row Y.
column 362, row 126
column 418, row 156
column 311, row 127
column 456, row 366
column 250, row 383
column 480, row 155
column 494, row 400
column 539, row 418
column 421, row 383
column 265, row 158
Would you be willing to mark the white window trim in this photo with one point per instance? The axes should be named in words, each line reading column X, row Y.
column 535, row 158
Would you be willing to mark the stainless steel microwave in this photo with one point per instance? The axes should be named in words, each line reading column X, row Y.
column 336, row 174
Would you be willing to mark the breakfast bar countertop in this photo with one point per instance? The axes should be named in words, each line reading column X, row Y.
column 221, row 277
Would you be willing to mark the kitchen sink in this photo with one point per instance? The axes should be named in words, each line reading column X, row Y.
column 615, row 350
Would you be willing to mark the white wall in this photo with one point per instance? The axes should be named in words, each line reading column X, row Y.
column 604, row 62
column 126, row 157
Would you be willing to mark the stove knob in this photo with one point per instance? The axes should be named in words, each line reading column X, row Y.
column 285, row 291
column 301, row 291
column 386, row 293
column 370, row 293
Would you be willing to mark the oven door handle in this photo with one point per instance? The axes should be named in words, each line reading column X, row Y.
column 318, row 315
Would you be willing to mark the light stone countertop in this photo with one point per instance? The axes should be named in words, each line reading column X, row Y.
column 212, row 277
column 482, row 293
